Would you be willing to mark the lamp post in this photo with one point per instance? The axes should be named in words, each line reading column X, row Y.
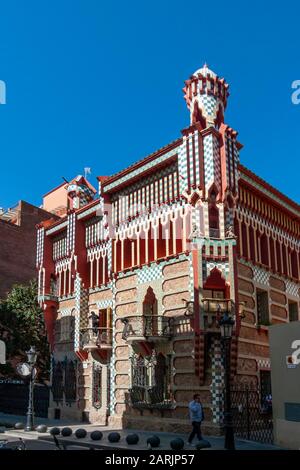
column 226, row 324
column 31, row 358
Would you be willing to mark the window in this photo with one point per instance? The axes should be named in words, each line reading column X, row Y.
column 150, row 378
column 97, row 385
column 293, row 311
column 213, row 215
column 67, row 328
column 262, row 305
column 57, row 387
column 105, row 324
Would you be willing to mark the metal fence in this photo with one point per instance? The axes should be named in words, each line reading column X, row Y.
column 252, row 418
column 14, row 399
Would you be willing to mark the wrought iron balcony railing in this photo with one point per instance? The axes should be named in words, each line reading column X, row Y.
column 95, row 338
column 147, row 327
column 213, row 309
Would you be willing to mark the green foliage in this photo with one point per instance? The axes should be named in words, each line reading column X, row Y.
column 22, row 325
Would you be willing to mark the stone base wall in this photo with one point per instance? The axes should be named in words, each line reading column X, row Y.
column 169, row 425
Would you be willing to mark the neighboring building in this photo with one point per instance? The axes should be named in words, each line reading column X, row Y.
column 57, row 201
column 18, row 244
column 132, row 283
column 285, row 357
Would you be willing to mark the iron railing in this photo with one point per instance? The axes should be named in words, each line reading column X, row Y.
column 147, row 326
column 95, row 338
column 251, row 419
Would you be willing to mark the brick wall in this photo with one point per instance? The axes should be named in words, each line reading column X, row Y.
column 18, row 247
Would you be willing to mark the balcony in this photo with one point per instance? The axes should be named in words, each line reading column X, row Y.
column 213, row 309
column 95, row 338
column 147, row 328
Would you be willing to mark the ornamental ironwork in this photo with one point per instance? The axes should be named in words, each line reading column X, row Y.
column 70, row 381
column 94, row 338
column 64, row 380
column 97, row 385
column 57, row 381
column 150, row 381
column 252, row 420
column 147, row 326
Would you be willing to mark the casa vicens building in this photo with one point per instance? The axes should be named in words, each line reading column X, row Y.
column 133, row 279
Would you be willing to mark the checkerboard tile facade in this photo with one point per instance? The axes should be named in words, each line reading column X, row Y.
column 261, row 276
column 209, row 103
column 207, row 267
column 141, row 169
column 217, row 382
column 149, row 273
column 82, row 310
column 208, row 160
column 264, row 363
column 292, row 288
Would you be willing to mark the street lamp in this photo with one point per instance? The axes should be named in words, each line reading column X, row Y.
column 226, row 324
column 31, row 358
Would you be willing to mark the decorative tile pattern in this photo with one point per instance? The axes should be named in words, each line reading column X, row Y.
column 113, row 354
column 208, row 160
column 269, row 193
column 261, row 276
column 182, row 167
column 208, row 104
column 207, row 267
column 264, row 363
column 217, row 162
column 149, row 273
column 141, row 169
column 57, row 227
column 82, row 310
column 217, row 382
column 292, row 288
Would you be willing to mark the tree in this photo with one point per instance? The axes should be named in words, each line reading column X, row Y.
column 22, row 326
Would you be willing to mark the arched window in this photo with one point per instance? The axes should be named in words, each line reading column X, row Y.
column 151, row 324
column 213, row 221
column 150, row 303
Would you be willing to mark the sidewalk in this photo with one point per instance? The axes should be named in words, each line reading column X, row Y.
column 217, row 443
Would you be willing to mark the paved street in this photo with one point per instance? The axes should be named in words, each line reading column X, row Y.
column 45, row 441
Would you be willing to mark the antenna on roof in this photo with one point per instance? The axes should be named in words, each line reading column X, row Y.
column 65, row 179
column 87, row 171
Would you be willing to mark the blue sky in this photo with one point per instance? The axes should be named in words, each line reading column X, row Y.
column 99, row 84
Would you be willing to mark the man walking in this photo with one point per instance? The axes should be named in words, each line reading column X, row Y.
column 196, row 417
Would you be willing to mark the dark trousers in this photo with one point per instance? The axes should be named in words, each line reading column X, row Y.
column 196, row 431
